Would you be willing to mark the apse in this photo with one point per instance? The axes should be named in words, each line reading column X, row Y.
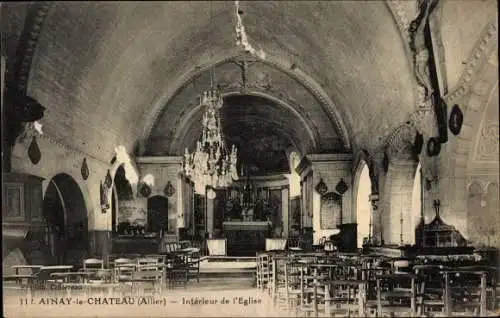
column 261, row 140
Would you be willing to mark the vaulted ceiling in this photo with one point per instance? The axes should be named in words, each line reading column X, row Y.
column 335, row 75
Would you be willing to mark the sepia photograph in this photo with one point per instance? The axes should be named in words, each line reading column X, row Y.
column 250, row 158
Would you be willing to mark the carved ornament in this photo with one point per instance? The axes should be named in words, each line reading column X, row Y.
column 474, row 63
column 400, row 143
column 488, row 142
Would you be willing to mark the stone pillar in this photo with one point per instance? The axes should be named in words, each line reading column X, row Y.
column 376, row 221
column 377, row 178
column 100, row 235
column 210, row 217
column 163, row 170
column 398, row 220
column 331, row 168
column 285, row 199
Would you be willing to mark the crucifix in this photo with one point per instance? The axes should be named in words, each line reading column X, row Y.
column 244, row 64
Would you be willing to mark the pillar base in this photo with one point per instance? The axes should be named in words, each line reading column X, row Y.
column 100, row 243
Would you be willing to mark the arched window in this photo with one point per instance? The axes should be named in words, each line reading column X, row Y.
column 363, row 208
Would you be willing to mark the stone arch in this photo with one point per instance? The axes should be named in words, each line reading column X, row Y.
column 361, row 204
column 184, row 123
column 123, row 160
column 462, row 145
column 398, row 192
column 400, row 164
column 282, row 64
column 121, row 190
column 65, row 210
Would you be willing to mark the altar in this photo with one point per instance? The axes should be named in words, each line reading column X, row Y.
column 245, row 238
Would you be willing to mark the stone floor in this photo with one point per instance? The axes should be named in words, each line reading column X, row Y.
column 222, row 292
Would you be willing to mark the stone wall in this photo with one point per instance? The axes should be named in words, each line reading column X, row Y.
column 163, row 170
column 57, row 158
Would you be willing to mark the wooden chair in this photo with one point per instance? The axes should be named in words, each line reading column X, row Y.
column 430, row 296
column 152, row 274
column 177, row 271
column 312, row 289
column 466, row 292
column 95, row 269
column 278, row 281
column 293, row 286
column 193, row 265
column 123, row 269
column 93, row 264
column 396, row 294
column 263, row 270
column 160, row 258
column 44, row 279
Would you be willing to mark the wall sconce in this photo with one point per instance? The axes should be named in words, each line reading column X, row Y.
column 84, row 169
column 169, row 189
column 321, row 187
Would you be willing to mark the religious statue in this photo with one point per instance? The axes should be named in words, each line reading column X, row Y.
column 248, row 213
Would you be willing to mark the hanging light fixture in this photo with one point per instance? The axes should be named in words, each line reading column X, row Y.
column 211, row 164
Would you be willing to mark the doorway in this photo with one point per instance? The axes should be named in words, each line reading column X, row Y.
column 66, row 215
column 158, row 214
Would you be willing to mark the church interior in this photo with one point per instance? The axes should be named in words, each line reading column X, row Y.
column 328, row 158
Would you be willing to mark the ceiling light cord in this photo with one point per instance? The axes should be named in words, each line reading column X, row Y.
column 212, row 69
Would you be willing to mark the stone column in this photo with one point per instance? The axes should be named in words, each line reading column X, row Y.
column 100, row 235
column 331, row 168
column 377, row 178
column 285, row 199
column 164, row 170
column 210, row 217
column 398, row 220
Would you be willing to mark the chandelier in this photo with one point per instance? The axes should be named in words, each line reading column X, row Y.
column 211, row 164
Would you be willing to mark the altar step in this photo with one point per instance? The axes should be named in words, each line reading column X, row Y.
column 227, row 266
column 222, row 258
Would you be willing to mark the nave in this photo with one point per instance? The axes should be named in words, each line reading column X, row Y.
column 323, row 158
column 323, row 283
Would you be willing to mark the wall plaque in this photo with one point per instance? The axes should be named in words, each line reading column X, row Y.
column 330, row 211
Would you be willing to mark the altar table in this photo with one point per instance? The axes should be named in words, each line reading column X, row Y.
column 245, row 238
